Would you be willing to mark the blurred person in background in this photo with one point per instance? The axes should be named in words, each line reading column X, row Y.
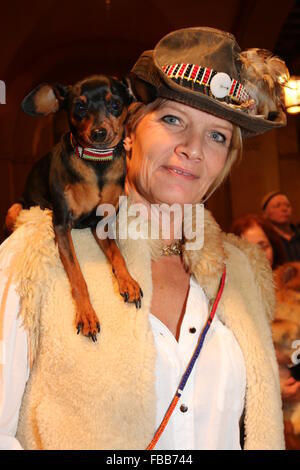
column 286, row 337
column 277, row 209
column 286, row 324
column 257, row 230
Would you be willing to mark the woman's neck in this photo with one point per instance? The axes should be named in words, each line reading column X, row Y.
column 164, row 222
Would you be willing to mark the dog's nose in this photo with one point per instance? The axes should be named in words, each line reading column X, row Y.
column 98, row 135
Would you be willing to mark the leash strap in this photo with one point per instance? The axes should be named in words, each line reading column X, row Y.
column 190, row 366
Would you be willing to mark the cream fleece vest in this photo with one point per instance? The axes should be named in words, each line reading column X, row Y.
column 82, row 395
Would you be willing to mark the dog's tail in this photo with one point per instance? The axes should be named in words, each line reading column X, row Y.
column 11, row 217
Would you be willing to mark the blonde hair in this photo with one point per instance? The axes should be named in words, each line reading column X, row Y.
column 234, row 155
column 138, row 110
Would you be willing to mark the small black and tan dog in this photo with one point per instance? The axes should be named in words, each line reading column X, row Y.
column 85, row 169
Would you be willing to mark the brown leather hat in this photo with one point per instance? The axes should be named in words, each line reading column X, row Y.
column 204, row 68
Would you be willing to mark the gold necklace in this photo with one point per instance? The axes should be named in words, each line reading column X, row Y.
column 174, row 249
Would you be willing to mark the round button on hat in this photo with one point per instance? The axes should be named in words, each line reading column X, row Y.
column 220, row 85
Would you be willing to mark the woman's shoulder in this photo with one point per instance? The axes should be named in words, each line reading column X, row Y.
column 243, row 255
column 252, row 251
column 30, row 246
column 30, row 222
column 34, row 220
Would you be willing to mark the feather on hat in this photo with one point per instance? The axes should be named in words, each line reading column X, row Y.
column 264, row 76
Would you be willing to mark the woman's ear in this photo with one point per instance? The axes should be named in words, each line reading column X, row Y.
column 127, row 143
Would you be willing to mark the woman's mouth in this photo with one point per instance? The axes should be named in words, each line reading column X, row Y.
column 181, row 172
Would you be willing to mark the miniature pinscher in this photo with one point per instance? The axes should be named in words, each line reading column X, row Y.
column 85, row 169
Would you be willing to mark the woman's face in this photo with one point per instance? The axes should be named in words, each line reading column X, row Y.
column 176, row 153
column 257, row 236
column 279, row 210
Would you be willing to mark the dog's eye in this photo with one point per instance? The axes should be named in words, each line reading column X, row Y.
column 115, row 106
column 80, row 109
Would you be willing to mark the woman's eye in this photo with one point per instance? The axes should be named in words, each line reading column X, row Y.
column 169, row 119
column 218, row 137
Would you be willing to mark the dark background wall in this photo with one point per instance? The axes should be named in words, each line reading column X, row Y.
column 63, row 41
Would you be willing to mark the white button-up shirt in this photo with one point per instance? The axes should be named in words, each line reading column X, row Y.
column 209, row 410
column 213, row 399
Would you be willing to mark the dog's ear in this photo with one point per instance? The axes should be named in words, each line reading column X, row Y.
column 126, row 82
column 122, row 88
column 45, row 99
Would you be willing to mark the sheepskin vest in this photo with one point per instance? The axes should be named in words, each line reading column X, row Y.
column 85, row 395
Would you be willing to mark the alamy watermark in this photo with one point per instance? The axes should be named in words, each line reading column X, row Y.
column 2, row 92
column 156, row 221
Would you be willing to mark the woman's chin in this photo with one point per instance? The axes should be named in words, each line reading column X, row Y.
column 172, row 196
column 178, row 190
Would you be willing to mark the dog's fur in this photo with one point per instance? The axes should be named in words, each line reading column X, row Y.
column 73, row 187
column 286, row 329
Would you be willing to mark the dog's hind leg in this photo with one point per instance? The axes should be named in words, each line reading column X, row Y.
column 86, row 319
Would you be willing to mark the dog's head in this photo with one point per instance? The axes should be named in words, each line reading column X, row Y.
column 96, row 106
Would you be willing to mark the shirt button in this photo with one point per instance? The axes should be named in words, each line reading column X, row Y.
column 192, row 330
column 183, row 408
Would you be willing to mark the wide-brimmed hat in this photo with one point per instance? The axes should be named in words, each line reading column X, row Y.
column 205, row 68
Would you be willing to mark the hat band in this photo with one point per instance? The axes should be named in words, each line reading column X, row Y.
column 268, row 198
column 206, row 80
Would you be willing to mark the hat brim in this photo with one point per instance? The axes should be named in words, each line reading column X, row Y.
column 150, row 82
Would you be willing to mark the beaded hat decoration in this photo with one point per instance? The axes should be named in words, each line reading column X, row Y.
column 205, row 68
column 208, row 81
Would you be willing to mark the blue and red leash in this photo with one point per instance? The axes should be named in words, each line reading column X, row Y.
column 190, row 366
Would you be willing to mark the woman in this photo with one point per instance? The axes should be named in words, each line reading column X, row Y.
column 114, row 394
column 277, row 209
column 259, row 231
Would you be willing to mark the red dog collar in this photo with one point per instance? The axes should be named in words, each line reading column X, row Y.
column 92, row 154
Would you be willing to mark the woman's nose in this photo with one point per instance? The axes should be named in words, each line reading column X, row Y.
column 191, row 148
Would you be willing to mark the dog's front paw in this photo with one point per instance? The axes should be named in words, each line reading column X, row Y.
column 87, row 322
column 130, row 290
